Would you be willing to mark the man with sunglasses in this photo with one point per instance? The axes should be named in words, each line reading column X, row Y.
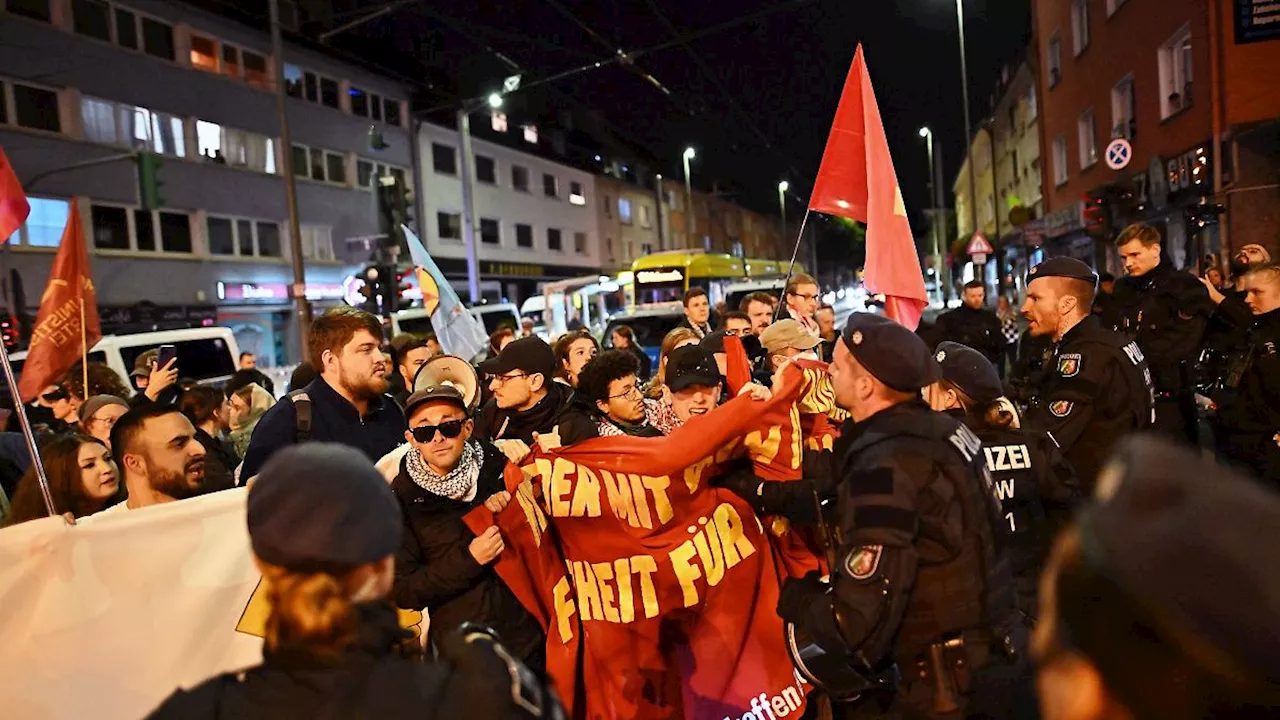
column 442, row 566
column 526, row 400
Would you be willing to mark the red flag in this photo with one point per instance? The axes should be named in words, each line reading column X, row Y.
column 14, row 207
column 59, row 338
column 856, row 180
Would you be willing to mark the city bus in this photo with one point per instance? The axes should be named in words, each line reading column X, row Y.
column 667, row 276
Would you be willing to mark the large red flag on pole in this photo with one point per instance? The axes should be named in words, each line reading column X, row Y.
column 857, row 180
column 14, row 207
column 67, row 324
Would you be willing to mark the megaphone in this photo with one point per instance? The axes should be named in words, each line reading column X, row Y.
column 453, row 371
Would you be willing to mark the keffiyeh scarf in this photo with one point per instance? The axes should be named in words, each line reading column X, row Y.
column 459, row 484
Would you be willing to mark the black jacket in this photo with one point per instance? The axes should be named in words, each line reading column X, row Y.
column 646, row 365
column 435, row 569
column 1165, row 312
column 556, row 411
column 220, row 463
column 333, row 419
column 369, row 680
column 979, row 329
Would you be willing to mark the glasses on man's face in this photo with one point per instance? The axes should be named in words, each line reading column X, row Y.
column 735, row 331
column 105, row 421
column 631, row 393
column 504, row 379
column 450, row 429
column 806, row 298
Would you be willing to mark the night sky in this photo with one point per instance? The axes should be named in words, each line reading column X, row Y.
column 756, row 100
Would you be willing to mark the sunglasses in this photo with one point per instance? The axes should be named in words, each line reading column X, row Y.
column 56, row 395
column 427, row 433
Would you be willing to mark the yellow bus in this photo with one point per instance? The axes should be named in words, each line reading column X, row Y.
column 666, row 276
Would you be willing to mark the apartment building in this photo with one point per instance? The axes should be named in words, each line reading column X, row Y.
column 630, row 226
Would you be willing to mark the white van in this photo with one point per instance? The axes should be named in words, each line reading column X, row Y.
column 207, row 355
column 492, row 316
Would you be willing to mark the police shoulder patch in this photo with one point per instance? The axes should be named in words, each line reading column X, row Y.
column 1061, row 408
column 863, row 561
column 1069, row 364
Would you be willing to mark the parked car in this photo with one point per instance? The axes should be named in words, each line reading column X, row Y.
column 207, row 355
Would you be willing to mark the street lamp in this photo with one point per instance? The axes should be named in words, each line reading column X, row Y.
column 968, row 130
column 689, row 154
column 782, row 206
column 494, row 100
column 927, row 134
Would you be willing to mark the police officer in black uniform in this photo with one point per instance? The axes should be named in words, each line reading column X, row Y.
column 1165, row 311
column 1248, row 424
column 324, row 528
column 972, row 324
column 1096, row 388
column 921, row 577
column 1036, row 486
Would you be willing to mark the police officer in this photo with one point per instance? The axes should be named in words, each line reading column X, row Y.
column 324, row 528
column 1248, row 422
column 1165, row 311
column 972, row 324
column 1096, row 388
column 1036, row 486
column 1158, row 604
column 921, row 578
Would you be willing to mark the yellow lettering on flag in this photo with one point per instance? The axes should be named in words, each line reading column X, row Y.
column 253, row 621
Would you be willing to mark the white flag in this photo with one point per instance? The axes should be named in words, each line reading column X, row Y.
column 459, row 332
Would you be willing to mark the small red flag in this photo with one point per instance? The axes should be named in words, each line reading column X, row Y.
column 59, row 339
column 14, row 207
column 857, row 180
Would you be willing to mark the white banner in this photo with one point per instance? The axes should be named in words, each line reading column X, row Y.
column 106, row 618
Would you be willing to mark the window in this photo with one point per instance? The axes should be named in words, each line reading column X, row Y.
column 359, row 102
column 268, row 239
column 133, row 127
column 1113, row 6
column 220, row 234
column 110, row 227
column 524, row 235
column 117, row 228
column 498, row 121
column 1175, row 73
column 45, row 224
column 237, row 148
column 320, row 165
column 204, row 53
column 91, row 18
column 293, row 80
column 550, row 187
column 1123, row 106
column 337, row 167
column 489, row 232
column 449, row 225
column 34, row 9
column 520, row 178
column 391, row 112
column 255, row 70
column 368, row 172
column 576, row 196
column 608, row 207
column 486, row 170
column 317, row 242
column 1055, row 60
column 126, row 29
column 175, row 232
column 329, row 96
column 645, row 221
column 231, row 61
column 1032, row 108
column 1060, row 160
column 580, row 243
column 1080, row 25
column 443, row 159
column 1086, row 137
column 35, row 108
column 531, row 134
column 553, row 239
column 624, row 211
column 157, row 38
column 238, row 237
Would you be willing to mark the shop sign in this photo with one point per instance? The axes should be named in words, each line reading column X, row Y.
column 1257, row 20
column 650, row 277
column 1068, row 219
column 276, row 291
column 513, row 269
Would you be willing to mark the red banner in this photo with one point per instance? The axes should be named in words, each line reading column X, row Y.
column 14, row 207
column 657, row 591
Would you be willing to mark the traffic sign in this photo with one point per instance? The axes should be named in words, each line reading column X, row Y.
column 979, row 245
column 1118, row 154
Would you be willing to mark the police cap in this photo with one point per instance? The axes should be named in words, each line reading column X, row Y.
column 893, row 354
column 1064, row 267
column 970, row 371
column 322, row 507
column 1188, row 540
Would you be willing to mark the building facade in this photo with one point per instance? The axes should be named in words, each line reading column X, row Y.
column 1018, row 184
column 89, row 80
column 630, row 225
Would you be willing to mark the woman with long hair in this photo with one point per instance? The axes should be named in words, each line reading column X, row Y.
column 624, row 338
column 573, row 350
column 83, row 479
column 247, row 406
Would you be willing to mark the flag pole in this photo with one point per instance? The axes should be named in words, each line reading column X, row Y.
column 21, row 409
column 84, row 348
column 777, row 313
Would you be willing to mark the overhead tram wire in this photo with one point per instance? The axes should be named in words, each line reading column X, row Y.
column 601, row 40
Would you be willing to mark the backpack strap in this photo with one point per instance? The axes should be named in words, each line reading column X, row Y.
column 302, row 412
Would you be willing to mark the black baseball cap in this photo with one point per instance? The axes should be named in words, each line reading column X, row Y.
column 528, row 355
column 970, row 371
column 1064, row 267
column 893, row 354
column 438, row 393
column 322, row 507
column 691, row 365
column 714, row 341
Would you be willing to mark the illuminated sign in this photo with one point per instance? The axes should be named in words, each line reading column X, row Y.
column 276, row 291
column 659, row 276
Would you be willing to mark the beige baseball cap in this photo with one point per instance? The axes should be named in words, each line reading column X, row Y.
column 788, row 334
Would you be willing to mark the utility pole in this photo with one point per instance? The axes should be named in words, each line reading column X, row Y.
column 299, row 289
column 468, row 204
column 968, row 129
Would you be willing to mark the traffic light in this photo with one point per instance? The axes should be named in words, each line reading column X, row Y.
column 1096, row 216
column 149, row 181
column 395, row 208
column 402, row 286
column 372, row 290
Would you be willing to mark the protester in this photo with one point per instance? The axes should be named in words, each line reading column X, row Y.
column 526, row 327
column 155, row 384
column 102, row 381
column 1010, row 331
column 735, row 322
column 248, row 361
column 324, row 528
column 410, row 352
column 159, row 456
column 347, row 402
column 826, row 318
column 241, row 378
column 678, row 337
column 697, row 312
column 572, row 351
column 526, row 400
column 801, row 297
column 441, row 564
column 760, row 308
column 786, row 340
column 83, row 479
column 1124, row 634
column 245, row 408
column 1104, row 302
column 624, row 338
column 206, row 408
column 64, row 407
column 499, row 339
column 302, row 376
column 693, row 381
column 99, row 414
column 611, row 383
